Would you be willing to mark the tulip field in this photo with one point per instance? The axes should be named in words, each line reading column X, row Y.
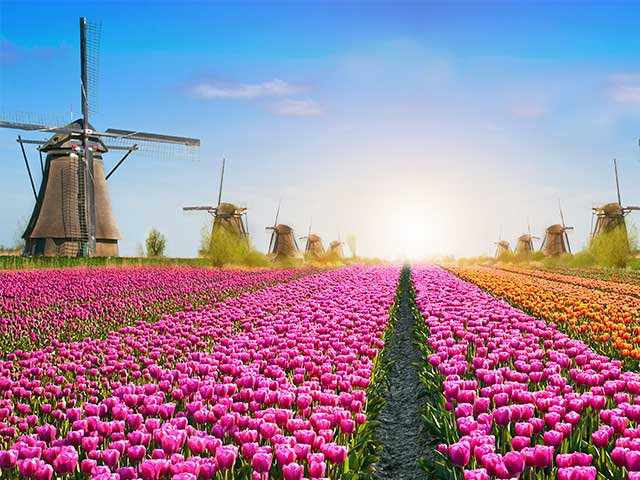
column 270, row 383
column 197, row 373
column 523, row 400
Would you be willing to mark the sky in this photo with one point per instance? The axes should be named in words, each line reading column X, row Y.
column 422, row 128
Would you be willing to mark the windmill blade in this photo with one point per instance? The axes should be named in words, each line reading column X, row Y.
column 246, row 221
column 271, row 242
column 89, row 63
column 221, row 180
column 275, row 223
column 200, row 208
column 36, row 128
column 615, row 168
column 566, row 237
column 632, row 208
column 154, row 150
column 544, row 241
column 561, row 215
column 149, row 137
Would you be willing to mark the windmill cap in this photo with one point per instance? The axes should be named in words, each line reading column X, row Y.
column 611, row 209
column 228, row 209
column 314, row 238
column 282, row 229
column 525, row 238
column 556, row 228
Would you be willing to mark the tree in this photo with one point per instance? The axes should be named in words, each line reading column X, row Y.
column 155, row 243
column 351, row 242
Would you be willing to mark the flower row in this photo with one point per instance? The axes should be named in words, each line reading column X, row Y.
column 606, row 319
column 71, row 304
column 267, row 384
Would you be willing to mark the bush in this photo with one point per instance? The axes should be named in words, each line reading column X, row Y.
column 228, row 248
column 156, row 243
column 611, row 249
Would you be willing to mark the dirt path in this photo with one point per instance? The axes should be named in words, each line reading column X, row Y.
column 403, row 439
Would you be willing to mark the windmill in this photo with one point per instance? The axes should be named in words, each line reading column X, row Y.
column 556, row 240
column 282, row 243
column 72, row 214
column 611, row 216
column 335, row 249
column 226, row 216
column 502, row 246
column 525, row 243
column 313, row 246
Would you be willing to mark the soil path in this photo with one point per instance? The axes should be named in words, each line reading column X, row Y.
column 403, row 438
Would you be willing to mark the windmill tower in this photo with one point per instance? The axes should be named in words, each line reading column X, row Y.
column 525, row 243
column 313, row 247
column 335, row 249
column 282, row 243
column 72, row 214
column 502, row 247
column 226, row 216
column 611, row 216
column 556, row 240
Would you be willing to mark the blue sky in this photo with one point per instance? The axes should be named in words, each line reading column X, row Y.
column 421, row 127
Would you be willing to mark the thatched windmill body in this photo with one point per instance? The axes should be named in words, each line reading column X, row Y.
column 502, row 246
column 611, row 216
column 524, row 246
column 335, row 249
column 313, row 246
column 72, row 214
column 282, row 243
column 226, row 216
column 556, row 240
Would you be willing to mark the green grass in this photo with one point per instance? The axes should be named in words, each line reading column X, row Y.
column 22, row 263
column 634, row 264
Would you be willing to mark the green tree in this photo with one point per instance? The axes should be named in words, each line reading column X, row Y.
column 156, row 243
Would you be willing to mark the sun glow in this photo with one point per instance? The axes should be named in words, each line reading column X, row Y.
column 410, row 235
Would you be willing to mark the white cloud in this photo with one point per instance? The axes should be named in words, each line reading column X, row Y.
column 625, row 87
column 273, row 88
column 300, row 108
column 626, row 93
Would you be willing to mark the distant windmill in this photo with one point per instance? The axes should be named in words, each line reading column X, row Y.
column 72, row 214
column 525, row 243
column 611, row 216
column 313, row 246
column 226, row 216
column 282, row 243
column 502, row 246
column 556, row 240
column 335, row 249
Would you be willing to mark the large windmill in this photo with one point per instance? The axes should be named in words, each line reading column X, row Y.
column 313, row 247
column 611, row 216
column 226, row 216
column 556, row 240
column 524, row 246
column 282, row 243
column 72, row 214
